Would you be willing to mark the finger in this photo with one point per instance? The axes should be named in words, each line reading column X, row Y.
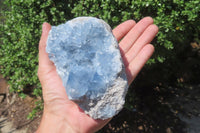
column 136, row 65
column 146, row 37
column 121, row 30
column 52, row 87
column 134, row 33
column 43, row 56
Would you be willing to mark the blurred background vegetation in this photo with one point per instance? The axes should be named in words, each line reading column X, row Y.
column 157, row 95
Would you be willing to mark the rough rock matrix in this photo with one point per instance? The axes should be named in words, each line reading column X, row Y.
column 88, row 60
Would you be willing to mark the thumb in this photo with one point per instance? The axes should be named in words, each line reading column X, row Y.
column 45, row 64
column 43, row 56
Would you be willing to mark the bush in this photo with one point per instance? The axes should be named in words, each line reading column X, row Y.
column 20, row 37
column 178, row 22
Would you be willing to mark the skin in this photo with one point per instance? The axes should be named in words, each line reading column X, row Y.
column 62, row 115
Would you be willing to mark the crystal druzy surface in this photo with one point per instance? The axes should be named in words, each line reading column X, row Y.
column 88, row 60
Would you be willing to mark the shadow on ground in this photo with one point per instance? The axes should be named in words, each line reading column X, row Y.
column 159, row 109
column 163, row 99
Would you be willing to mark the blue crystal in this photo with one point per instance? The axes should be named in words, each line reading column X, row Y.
column 87, row 59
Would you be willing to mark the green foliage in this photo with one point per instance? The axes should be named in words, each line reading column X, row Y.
column 178, row 21
column 20, row 37
column 38, row 107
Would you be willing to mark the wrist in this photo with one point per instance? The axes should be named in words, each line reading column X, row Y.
column 52, row 123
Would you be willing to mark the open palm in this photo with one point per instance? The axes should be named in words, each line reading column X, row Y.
column 61, row 114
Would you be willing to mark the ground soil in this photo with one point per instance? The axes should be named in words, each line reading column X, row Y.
column 15, row 110
column 156, row 109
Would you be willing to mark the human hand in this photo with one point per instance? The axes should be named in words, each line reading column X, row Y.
column 62, row 115
column 135, row 45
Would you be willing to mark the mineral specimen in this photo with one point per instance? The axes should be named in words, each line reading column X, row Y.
column 88, row 60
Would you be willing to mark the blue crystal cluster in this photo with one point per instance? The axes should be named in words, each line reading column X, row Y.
column 87, row 59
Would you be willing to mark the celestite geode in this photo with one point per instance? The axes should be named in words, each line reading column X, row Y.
column 88, row 60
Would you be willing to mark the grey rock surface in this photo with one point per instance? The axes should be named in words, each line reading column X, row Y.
column 88, row 60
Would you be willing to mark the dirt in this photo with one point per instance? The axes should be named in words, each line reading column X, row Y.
column 156, row 109
column 14, row 111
